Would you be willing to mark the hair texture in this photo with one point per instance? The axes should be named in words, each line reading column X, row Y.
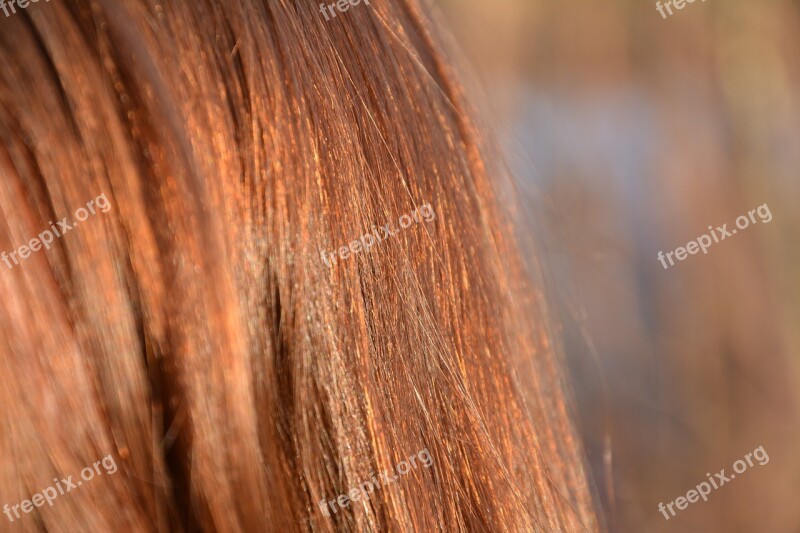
column 193, row 331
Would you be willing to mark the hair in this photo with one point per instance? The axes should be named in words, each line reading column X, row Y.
column 192, row 331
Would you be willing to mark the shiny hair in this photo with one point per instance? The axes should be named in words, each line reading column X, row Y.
column 192, row 331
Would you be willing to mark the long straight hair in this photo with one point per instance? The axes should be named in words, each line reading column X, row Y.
column 216, row 331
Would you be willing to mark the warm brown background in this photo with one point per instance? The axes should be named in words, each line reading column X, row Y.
column 630, row 134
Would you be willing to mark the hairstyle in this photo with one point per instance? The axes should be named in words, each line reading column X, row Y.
column 192, row 331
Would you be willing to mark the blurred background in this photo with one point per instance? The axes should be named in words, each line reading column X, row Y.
column 630, row 134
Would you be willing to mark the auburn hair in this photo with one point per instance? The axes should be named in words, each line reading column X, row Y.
column 194, row 333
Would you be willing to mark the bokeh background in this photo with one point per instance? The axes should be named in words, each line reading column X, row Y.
column 630, row 134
